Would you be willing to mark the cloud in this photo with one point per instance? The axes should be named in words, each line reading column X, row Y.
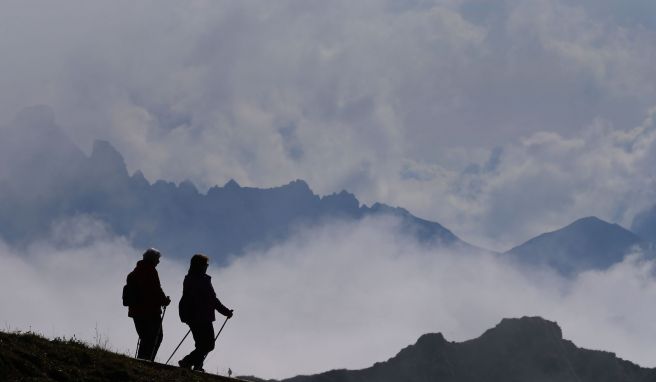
column 378, row 80
column 343, row 295
column 539, row 183
column 362, row 97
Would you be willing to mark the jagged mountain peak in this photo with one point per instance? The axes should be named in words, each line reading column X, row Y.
column 525, row 326
column 139, row 179
column 231, row 184
column 343, row 200
column 426, row 343
column 103, row 150
column 518, row 349
column 104, row 157
column 299, row 185
column 431, row 338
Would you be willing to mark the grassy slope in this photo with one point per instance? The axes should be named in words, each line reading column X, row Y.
column 29, row 357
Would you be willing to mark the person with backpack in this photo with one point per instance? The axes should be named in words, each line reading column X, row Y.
column 196, row 309
column 144, row 297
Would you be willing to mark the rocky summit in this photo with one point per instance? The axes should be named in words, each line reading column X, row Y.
column 529, row 349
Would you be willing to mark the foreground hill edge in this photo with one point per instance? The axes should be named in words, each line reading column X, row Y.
column 31, row 357
column 523, row 349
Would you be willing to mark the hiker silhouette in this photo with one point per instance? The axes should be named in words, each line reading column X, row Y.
column 196, row 309
column 145, row 300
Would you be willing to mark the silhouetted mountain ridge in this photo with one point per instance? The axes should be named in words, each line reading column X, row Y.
column 44, row 178
column 524, row 349
column 54, row 180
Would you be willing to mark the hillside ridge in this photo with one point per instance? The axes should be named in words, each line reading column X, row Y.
column 31, row 357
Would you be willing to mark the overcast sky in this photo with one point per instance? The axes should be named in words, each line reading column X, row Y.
column 499, row 119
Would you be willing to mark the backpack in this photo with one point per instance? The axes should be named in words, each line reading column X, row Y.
column 130, row 293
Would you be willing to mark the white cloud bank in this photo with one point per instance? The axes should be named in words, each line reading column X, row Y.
column 345, row 295
column 539, row 183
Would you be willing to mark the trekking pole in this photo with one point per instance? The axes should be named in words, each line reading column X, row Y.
column 176, row 349
column 136, row 352
column 224, row 322
column 217, row 334
column 159, row 331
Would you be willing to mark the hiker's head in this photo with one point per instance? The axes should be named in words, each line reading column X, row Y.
column 199, row 263
column 151, row 256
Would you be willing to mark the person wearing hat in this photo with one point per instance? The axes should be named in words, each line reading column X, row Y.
column 147, row 306
column 197, row 307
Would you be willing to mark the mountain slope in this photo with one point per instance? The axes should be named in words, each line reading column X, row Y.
column 527, row 349
column 63, row 182
column 28, row 357
column 588, row 243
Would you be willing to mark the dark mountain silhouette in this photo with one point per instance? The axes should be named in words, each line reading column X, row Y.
column 45, row 178
column 588, row 243
column 529, row 349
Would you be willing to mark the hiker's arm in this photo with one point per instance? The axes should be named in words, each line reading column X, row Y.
column 222, row 308
column 219, row 306
column 163, row 299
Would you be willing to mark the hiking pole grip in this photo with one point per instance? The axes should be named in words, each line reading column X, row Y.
column 176, row 349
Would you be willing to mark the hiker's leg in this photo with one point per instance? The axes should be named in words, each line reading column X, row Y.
column 147, row 328
column 204, row 343
column 190, row 359
column 141, row 326
column 158, row 338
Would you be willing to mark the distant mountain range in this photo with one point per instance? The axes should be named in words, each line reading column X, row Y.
column 526, row 349
column 588, row 243
column 45, row 177
column 49, row 178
